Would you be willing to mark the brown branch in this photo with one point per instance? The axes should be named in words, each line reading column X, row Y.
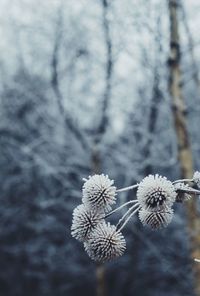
column 184, row 148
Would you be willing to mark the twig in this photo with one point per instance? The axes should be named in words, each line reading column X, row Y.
column 127, row 188
column 121, row 207
column 125, row 215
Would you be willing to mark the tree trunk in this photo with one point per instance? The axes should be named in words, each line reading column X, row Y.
column 156, row 99
column 184, row 148
column 100, row 274
column 100, row 269
column 103, row 124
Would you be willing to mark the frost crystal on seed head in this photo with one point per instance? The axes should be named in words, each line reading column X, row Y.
column 182, row 196
column 156, row 193
column 105, row 243
column 84, row 221
column 98, row 192
column 156, row 220
column 196, row 178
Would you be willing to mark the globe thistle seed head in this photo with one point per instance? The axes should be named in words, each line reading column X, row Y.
column 156, row 220
column 196, row 178
column 182, row 196
column 105, row 243
column 83, row 222
column 155, row 193
column 99, row 192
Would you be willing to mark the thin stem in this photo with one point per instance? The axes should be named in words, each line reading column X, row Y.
column 129, row 217
column 183, row 180
column 127, row 188
column 190, row 191
column 126, row 214
column 121, row 207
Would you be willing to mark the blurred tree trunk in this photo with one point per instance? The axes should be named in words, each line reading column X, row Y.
column 100, row 269
column 184, row 148
column 69, row 121
column 153, row 115
column 102, row 126
column 156, row 98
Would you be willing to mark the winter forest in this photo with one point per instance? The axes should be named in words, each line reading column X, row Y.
column 90, row 87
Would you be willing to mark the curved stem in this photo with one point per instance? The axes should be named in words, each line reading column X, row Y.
column 129, row 217
column 183, row 180
column 126, row 214
column 127, row 188
column 121, row 207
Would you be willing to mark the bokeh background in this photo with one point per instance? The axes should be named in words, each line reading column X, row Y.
column 84, row 88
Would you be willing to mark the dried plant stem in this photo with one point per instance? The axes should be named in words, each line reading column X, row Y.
column 183, row 180
column 129, row 217
column 129, row 212
column 121, row 207
column 190, row 191
column 127, row 188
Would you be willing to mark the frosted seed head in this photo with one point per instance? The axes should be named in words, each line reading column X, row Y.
column 196, row 178
column 156, row 193
column 156, row 220
column 105, row 243
column 99, row 192
column 83, row 222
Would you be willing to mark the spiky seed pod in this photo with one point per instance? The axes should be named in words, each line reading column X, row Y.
column 196, row 178
column 83, row 222
column 182, row 196
column 105, row 243
column 156, row 193
column 98, row 192
column 156, row 220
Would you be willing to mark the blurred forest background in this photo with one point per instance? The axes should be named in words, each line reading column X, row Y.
column 91, row 86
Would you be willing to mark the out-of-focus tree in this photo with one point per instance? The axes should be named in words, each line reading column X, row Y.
column 183, row 141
